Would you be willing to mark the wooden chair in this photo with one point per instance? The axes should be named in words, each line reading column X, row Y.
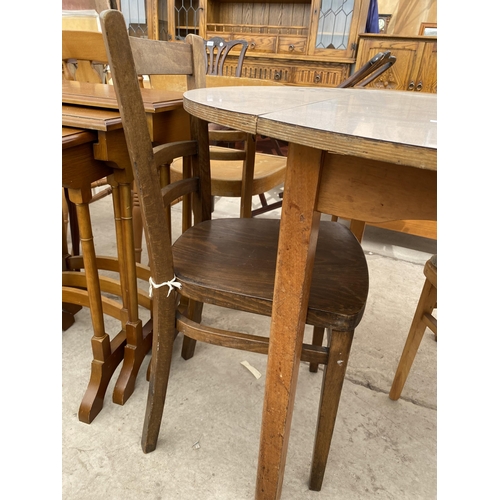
column 84, row 59
column 205, row 263
column 241, row 172
column 76, row 66
column 423, row 318
column 217, row 49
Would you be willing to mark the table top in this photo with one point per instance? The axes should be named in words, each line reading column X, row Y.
column 103, row 96
column 73, row 137
column 392, row 126
column 90, row 118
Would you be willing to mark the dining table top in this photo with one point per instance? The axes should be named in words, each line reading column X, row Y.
column 394, row 126
column 103, row 96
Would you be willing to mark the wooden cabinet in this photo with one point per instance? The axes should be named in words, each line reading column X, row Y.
column 306, row 42
column 416, row 66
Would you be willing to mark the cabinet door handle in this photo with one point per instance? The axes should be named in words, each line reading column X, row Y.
column 419, row 86
column 252, row 45
column 291, row 48
column 411, row 86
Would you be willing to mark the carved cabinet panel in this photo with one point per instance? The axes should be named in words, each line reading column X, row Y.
column 306, row 42
column 416, row 65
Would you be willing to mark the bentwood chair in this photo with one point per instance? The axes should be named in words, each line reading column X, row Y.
column 204, row 265
column 236, row 172
column 217, row 50
column 423, row 318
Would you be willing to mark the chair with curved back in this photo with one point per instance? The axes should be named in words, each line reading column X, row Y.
column 204, row 265
column 236, row 172
column 218, row 49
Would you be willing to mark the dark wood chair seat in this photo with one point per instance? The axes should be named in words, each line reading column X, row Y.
column 221, row 259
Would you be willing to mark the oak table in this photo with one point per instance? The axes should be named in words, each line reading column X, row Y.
column 369, row 154
column 92, row 109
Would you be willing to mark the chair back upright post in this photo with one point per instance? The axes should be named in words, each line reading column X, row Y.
column 129, row 57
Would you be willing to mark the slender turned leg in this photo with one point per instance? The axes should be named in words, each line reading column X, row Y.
column 318, row 333
column 296, row 248
column 137, row 345
column 138, row 229
column 106, row 356
column 333, row 379
column 426, row 303
column 163, row 342
column 68, row 310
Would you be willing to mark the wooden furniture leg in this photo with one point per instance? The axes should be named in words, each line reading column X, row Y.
column 333, row 380
column 295, row 260
column 138, row 339
column 107, row 355
column 421, row 320
column 68, row 310
column 138, row 229
column 318, row 334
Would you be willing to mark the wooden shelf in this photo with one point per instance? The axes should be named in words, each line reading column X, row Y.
column 267, row 1
column 257, row 29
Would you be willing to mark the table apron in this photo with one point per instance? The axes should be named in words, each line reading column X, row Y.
column 374, row 191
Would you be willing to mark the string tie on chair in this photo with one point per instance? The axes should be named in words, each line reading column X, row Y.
column 171, row 285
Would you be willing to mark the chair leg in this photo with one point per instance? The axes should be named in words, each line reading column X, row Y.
column 194, row 312
column 317, row 340
column 426, row 303
column 333, row 380
column 162, row 347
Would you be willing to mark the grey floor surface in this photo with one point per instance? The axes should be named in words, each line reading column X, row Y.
column 209, row 438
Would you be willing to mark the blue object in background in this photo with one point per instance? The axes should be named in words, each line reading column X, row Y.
column 372, row 19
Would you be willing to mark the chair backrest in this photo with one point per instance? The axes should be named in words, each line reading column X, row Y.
column 129, row 57
column 217, row 49
column 368, row 72
column 83, row 56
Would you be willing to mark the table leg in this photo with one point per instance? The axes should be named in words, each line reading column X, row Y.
column 138, row 339
column 68, row 310
column 297, row 244
column 107, row 355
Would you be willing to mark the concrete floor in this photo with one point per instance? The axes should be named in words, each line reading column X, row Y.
column 208, row 443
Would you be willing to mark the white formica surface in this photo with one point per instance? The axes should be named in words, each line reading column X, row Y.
column 296, row 113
